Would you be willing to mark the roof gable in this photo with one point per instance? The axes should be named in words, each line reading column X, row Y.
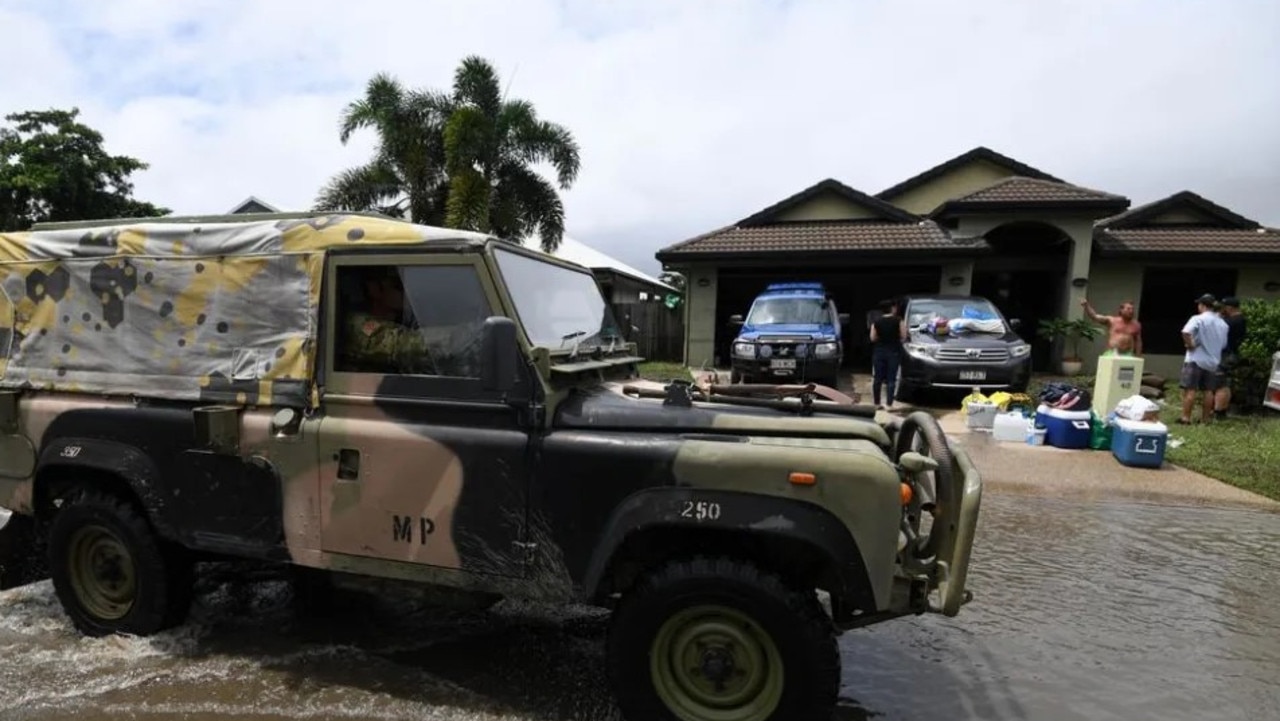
column 1182, row 209
column 785, row 209
column 253, row 204
column 977, row 155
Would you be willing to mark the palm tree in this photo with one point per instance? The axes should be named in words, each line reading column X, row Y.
column 490, row 144
column 407, row 170
column 462, row 160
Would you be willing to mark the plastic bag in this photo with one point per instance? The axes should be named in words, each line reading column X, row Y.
column 1001, row 399
column 1136, row 408
column 975, row 397
column 1099, row 433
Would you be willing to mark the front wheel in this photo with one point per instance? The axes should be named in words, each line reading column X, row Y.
column 714, row 639
column 110, row 571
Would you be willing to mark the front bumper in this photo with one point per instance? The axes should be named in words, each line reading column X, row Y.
column 925, row 372
column 786, row 368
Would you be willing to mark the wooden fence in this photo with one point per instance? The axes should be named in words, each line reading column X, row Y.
column 658, row 330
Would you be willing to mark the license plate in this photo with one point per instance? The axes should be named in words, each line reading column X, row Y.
column 973, row 375
column 780, row 364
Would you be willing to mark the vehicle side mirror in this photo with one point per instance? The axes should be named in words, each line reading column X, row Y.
column 498, row 352
column 844, row 318
column 1015, row 323
column 735, row 320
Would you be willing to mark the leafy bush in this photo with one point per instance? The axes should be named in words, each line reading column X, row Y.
column 1261, row 341
column 1069, row 330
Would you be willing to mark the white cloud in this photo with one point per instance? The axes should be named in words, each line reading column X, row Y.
column 690, row 114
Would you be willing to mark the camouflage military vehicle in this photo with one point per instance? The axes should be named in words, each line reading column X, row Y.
column 375, row 399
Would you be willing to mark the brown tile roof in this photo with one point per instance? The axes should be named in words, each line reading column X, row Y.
column 1198, row 240
column 1018, row 189
column 823, row 236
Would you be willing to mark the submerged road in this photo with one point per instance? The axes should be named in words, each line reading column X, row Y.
column 1083, row 610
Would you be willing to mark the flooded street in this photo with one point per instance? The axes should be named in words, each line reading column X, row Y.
column 1082, row 611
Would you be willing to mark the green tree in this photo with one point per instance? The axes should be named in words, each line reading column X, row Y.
column 490, row 144
column 407, row 169
column 54, row 168
column 463, row 160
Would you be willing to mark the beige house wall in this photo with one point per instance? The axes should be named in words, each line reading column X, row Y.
column 1078, row 229
column 827, row 206
column 1182, row 215
column 700, row 315
column 958, row 269
column 951, row 185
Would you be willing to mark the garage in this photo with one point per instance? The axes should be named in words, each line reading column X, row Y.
column 855, row 290
column 862, row 249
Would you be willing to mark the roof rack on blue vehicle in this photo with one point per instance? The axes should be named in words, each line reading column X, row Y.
column 794, row 286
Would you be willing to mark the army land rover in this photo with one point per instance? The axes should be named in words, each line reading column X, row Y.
column 373, row 399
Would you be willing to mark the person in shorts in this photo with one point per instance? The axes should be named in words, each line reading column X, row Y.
column 1205, row 337
column 1230, row 312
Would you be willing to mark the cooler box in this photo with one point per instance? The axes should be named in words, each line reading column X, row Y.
column 1138, row 443
column 1065, row 429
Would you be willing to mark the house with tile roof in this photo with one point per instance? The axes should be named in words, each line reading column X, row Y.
column 986, row 224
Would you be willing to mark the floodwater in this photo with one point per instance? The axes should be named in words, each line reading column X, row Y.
column 1082, row 611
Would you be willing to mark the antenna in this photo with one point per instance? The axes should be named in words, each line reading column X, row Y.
column 507, row 90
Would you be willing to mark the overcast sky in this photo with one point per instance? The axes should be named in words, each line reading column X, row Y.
column 691, row 113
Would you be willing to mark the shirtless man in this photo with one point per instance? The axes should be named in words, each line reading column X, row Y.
column 1125, row 332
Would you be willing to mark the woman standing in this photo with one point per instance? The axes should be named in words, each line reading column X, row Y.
column 888, row 333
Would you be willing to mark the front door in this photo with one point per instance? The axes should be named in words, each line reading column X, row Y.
column 417, row 463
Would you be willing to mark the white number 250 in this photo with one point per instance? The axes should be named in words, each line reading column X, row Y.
column 701, row 510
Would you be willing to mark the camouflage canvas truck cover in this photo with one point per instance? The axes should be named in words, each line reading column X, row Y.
column 380, row 400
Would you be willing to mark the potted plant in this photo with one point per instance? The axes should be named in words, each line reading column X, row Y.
column 1072, row 331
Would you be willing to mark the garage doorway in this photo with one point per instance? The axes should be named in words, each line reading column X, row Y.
column 855, row 290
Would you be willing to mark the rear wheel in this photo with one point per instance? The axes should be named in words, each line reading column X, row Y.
column 110, row 571
column 714, row 639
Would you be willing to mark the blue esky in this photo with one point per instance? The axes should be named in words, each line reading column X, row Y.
column 691, row 114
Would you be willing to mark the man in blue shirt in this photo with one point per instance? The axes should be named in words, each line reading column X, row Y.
column 1205, row 337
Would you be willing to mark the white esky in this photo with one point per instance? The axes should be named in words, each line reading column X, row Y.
column 691, row 114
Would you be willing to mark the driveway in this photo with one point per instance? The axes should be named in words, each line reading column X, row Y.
column 1009, row 467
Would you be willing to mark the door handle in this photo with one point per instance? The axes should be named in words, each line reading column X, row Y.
column 348, row 464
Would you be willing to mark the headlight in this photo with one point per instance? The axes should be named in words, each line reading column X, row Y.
column 922, row 350
column 1020, row 350
column 824, row 350
column 744, row 350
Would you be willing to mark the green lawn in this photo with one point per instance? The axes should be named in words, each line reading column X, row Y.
column 1243, row 451
column 659, row 371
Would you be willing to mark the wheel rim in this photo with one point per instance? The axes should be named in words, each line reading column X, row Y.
column 712, row 663
column 102, row 572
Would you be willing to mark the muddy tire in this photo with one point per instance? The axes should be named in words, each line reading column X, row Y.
column 713, row 639
column 111, row 573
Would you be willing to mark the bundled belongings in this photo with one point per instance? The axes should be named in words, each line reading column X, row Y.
column 1065, row 397
column 1137, row 408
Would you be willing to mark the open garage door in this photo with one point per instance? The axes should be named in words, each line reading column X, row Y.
column 855, row 291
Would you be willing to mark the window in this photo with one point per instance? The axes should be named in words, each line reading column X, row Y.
column 556, row 305
column 1168, row 300
column 410, row 320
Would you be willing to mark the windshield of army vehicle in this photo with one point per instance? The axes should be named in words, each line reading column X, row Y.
column 557, row 306
column 788, row 310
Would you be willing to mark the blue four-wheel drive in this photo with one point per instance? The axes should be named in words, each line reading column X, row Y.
column 791, row 333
